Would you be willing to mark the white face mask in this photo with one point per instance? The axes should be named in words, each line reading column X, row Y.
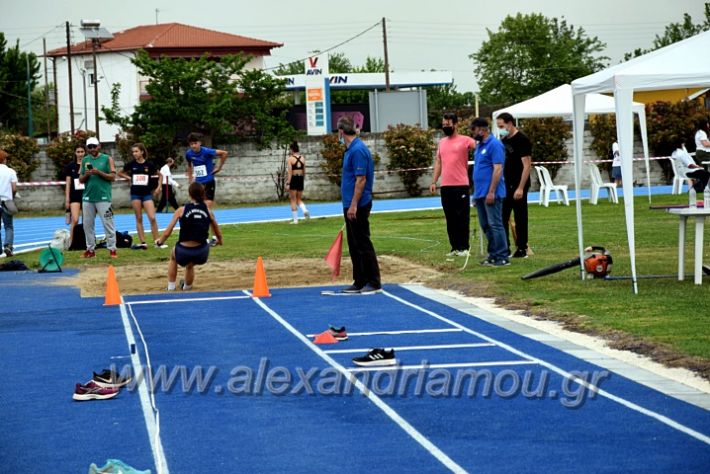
column 503, row 132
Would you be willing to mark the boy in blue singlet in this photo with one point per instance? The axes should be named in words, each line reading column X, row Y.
column 200, row 165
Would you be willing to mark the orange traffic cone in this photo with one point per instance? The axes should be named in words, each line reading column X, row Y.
column 261, row 288
column 325, row 338
column 113, row 296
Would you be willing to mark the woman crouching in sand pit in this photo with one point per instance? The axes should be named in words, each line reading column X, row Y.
column 192, row 248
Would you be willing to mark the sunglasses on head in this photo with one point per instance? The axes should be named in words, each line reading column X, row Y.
column 91, row 147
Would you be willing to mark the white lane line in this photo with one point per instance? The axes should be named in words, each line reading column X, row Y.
column 151, row 417
column 628, row 404
column 415, row 348
column 188, row 300
column 401, row 422
column 453, row 365
column 406, row 331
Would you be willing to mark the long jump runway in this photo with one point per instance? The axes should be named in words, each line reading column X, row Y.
column 229, row 383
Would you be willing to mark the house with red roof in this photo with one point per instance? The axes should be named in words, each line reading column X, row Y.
column 113, row 59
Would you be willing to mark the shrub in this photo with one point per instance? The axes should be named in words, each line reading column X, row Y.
column 332, row 153
column 411, row 152
column 669, row 122
column 61, row 149
column 21, row 152
column 548, row 136
column 603, row 129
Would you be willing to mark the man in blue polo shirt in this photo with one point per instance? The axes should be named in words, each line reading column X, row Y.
column 489, row 191
column 200, row 165
column 356, row 189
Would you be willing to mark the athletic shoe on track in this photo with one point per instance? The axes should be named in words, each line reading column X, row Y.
column 92, row 391
column 88, row 254
column 110, row 379
column 369, row 290
column 376, row 358
column 338, row 333
column 351, row 290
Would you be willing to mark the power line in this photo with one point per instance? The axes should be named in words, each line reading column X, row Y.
column 331, row 48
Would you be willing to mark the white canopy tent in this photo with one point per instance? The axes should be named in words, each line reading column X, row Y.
column 558, row 103
column 675, row 66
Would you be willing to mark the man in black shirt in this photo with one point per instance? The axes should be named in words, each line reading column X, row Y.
column 518, row 151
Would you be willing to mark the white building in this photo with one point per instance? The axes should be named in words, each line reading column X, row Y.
column 113, row 59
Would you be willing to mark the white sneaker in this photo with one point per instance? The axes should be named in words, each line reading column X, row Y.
column 293, row 222
column 453, row 253
column 3, row 255
column 463, row 253
column 162, row 246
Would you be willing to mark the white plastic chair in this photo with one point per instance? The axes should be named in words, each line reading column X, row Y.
column 550, row 186
column 678, row 178
column 598, row 184
column 542, row 184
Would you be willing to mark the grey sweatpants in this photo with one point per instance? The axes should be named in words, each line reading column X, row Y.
column 104, row 210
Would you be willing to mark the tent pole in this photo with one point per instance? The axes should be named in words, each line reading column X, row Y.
column 578, row 101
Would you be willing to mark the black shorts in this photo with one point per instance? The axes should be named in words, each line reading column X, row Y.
column 76, row 196
column 209, row 190
column 196, row 255
column 296, row 182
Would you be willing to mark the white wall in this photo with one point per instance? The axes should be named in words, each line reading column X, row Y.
column 112, row 68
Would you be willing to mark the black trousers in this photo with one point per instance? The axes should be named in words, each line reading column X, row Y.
column 456, row 202
column 520, row 211
column 366, row 270
column 701, row 177
column 168, row 195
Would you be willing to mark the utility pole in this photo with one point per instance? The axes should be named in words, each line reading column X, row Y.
column 30, row 130
column 96, row 89
column 156, row 16
column 387, row 63
column 56, row 107
column 46, row 89
column 71, row 87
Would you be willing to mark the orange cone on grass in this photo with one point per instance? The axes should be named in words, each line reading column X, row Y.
column 113, row 295
column 325, row 338
column 261, row 288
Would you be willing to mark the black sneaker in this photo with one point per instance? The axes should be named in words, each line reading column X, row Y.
column 501, row 263
column 352, row 290
column 338, row 333
column 370, row 290
column 376, row 358
column 489, row 262
column 110, row 379
column 520, row 253
column 141, row 246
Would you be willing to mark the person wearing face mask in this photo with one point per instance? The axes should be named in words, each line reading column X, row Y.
column 98, row 171
column 356, row 189
column 451, row 164
column 518, row 151
column 489, row 191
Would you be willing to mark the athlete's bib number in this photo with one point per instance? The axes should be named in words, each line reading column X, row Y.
column 140, row 179
column 200, row 171
column 78, row 185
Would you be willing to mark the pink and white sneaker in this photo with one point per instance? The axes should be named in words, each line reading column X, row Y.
column 91, row 391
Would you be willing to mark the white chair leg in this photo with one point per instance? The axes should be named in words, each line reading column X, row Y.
column 565, row 197
column 595, row 195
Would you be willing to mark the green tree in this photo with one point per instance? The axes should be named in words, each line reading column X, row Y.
column 675, row 32
column 22, row 151
column 446, row 98
column 531, row 54
column 13, row 85
column 218, row 98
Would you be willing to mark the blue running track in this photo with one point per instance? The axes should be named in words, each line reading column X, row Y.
column 268, row 400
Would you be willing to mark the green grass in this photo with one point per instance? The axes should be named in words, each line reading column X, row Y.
column 666, row 312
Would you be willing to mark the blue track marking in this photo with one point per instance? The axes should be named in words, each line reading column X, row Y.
column 35, row 232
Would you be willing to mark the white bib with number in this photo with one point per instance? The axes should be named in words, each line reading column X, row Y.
column 200, row 171
column 140, row 179
column 78, row 185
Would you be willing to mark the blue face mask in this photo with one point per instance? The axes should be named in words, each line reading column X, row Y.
column 503, row 132
column 341, row 139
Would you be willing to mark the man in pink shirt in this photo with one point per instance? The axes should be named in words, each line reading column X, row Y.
column 451, row 165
